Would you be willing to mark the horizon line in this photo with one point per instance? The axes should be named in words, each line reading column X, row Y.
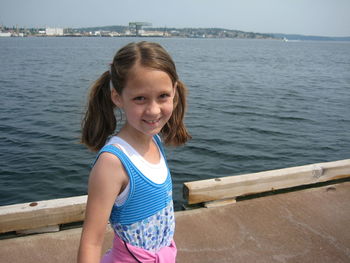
column 188, row 27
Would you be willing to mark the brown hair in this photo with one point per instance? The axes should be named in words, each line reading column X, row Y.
column 100, row 122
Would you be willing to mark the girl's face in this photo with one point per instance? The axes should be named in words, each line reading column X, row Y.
column 147, row 100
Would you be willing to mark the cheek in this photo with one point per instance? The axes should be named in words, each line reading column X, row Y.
column 169, row 109
column 132, row 112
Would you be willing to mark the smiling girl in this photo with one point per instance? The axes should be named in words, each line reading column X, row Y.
column 130, row 183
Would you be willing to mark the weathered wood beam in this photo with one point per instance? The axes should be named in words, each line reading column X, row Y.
column 240, row 185
column 67, row 210
column 42, row 214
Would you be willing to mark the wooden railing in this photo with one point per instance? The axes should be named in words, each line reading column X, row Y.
column 46, row 216
column 42, row 216
column 240, row 185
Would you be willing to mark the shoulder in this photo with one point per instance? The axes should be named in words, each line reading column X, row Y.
column 106, row 158
column 108, row 171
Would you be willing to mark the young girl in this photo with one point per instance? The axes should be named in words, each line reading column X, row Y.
column 130, row 183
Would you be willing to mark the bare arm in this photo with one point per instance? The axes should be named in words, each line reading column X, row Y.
column 106, row 180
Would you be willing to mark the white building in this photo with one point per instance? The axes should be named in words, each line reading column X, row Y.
column 5, row 34
column 54, row 31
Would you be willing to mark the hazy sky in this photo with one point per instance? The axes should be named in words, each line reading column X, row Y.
column 308, row 17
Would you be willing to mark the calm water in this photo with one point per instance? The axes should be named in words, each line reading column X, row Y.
column 254, row 105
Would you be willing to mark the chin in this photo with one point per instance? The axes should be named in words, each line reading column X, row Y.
column 152, row 133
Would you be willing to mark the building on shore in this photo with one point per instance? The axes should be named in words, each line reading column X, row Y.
column 136, row 28
column 54, row 31
column 5, row 34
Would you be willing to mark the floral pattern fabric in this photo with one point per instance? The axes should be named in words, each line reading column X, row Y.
column 152, row 233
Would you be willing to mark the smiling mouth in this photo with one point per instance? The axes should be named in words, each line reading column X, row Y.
column 152, row 121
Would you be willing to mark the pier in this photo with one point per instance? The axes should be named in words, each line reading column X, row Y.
column 298, row 214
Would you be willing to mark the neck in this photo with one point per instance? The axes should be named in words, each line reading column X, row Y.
column 140, row 142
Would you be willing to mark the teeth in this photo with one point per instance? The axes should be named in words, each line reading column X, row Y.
column 152, row 121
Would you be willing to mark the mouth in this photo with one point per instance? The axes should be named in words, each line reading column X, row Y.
column 152, row 122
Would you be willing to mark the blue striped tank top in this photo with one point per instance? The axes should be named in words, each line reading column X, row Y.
column 146, row 219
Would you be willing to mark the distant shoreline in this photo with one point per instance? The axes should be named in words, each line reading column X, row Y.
column 124, row 31
column 321, row 39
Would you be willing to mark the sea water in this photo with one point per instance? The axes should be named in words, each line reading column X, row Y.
column 253, row 105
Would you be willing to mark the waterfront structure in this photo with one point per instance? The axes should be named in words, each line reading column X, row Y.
column 241, row 218
column 136, row 27
column 54, row 31
column 5, row 34
column 11, row 34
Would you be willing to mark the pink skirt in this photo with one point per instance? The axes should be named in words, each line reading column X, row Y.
column 120, row 254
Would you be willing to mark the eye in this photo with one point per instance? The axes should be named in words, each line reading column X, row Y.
column 139, row 98
column 164, row 96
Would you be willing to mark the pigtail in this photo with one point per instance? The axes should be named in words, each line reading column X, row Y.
column 99, row 121
column 174, row 131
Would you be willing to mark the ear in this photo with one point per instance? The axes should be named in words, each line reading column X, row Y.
column 175, row 89
column 116, row 99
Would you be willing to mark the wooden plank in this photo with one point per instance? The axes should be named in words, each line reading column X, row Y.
column 233, row 186
column 67, row 210
column 42, row 214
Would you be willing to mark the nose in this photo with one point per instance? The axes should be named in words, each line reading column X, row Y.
column 153, row 108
